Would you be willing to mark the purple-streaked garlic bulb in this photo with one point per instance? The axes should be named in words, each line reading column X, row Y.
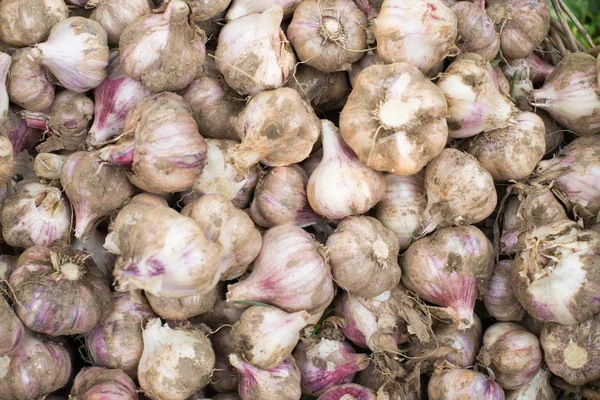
column 395, row 119
column 500, row 301
column 464, row 343
column 114, row 98
column 100, row 383
column 28, row 83
column 163, row 50
column 457, row 384
column 94, row 189
column 342, row 185
column 176, row 363
column 259, row 38
column 265, row 336
column 280, row 198
column 325, row 91
column 476, row 31
column 364, row 256
column 450, row 268
column 59, row 291
column 115, row 15
column 538, row 388
column 348, row 391
column 241, row 8
column 116, row 342
column 12, row 330
column 27, row 22
column 36, row 214
column 168, row 256
column 512, row 353
column 279, row 383
column 15, row 128
column 225, row 377
column 230, row 229
column 182, row 309
column 290, row 272
column 161, row 145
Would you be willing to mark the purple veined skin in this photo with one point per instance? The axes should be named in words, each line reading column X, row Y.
column 355, row 392
column 279, row 383
column 15, row 128
column 103, row 384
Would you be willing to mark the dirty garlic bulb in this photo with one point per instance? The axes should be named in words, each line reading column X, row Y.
column 185, row 308
column 28, row 82
column 27, row 22
column 115, row 15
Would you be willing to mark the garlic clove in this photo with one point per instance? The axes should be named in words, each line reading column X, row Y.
column 27, row 22
column 28, row 83
column 115, row 15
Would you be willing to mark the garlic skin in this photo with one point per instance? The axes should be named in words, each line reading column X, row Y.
column 466, row 343
column 537, row 388
column 569, row 94
column 291, row 272
column 59, row 291
column 500, row 301
column 12, row 330
column 5, row 62
column 395, row 119
column 203, row 10
column 476, row 31
column 28, row 83
column 168, row 256
column 36, row 368
column 349, row 390
column 169, row 356
column 115, row 15
column 114, row 98
column 221, row 175
column 524, row 24
column 279, row 383
column 475, row 103
column 241, row 8
column 537, row 67
column 182, row 309
column 76, row 53
column 458, row 384
column 8, row 162
column 161, row 145
column 253, row 53
column 324, row 363
column 364, row 256
column 27, row 22
column 323, row 39
column 554, row 274
column 277, row 128
column 15, row 128
column 94, row 189
column 96, row 382
column 459, row 190
column 116, row 342
column 554, row 132
column 266, row 336
column 231, row 229
column 36, row 214
column 280, row 198
column 420, row 32
column 450, row 268
column 512, row 353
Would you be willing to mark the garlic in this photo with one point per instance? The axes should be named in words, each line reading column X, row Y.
column 115, row 15
column 537, row 388
column 76, row 53
column 325, row 91
column 537, row 67
column 278, row 128
column 12, row 330
column 500, row 301
column 420, row 32
column 96, row 382
column 48, row 165
column 223, row 312
column 476, row 31
column 203, row 10
column 8, row 161
column 510, row 227
column 15, row 128
column 28, row 83
column 241, row 8
column 279, row 383
column 36, row 214
column 230, row 228
column 554, row 132
column 182, row 309
column 455, row 384
column 368, row 59
column 5, row 62
column 290, row 272
column 163, row 51
column 27, row 22
column 253, row 53
column 465, row 343
column 348, row 391
column 395, row 119
column 176, row 363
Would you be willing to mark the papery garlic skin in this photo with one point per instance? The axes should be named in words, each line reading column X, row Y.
column 115, row 15
column 500, row 301
column 15, row 128
column 537, row 388
column 5, row 62
column 352, row 390
column 279, row 383
column 476, row 31
column 8, row 160
column 203, row 10
column 97, row 382
column 27, row 22
column 11, row 330
column 457, row 384
column 420, row 32
column 253, row 53
column 395, row 119
column 182, row 309
column 37, row 214
column 466, row 343
column 169, row 357
column 241, row 8
column 28, row 83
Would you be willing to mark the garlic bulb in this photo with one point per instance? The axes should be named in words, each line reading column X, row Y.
column 395, row 119
column 538, row 388
column 114, row 98
column 420, row 32
column 279, row 383
column 241, row 8
column 8, row 161
column 94, row 189
column 36, row 214
column 176, row 363
column 290, row 272
column 325, row 40
column 203, row 10
column 15, row 128
column 476, row 31
column 12, row 330
column 115, row 15
column 253, row 53
column 5, row 62
column 97, row 382
column 161, row 145
column 349, row 391
column 457, row 384
column 512, row 353
column 221, row 175
column 28, row 83
column 278, row 128
column 500, row 301
column 182, row 309
column 266, row 336
column 364, row 256
column 169, row 256
column 325, row 91
column 59, row 291
column 475, row 104
column 554, row 272
column 280, row 198
column 27, row 22
column 465, row 343
column 116, row 342
column 231, row 229
column 163, row 51
column 76, row 53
